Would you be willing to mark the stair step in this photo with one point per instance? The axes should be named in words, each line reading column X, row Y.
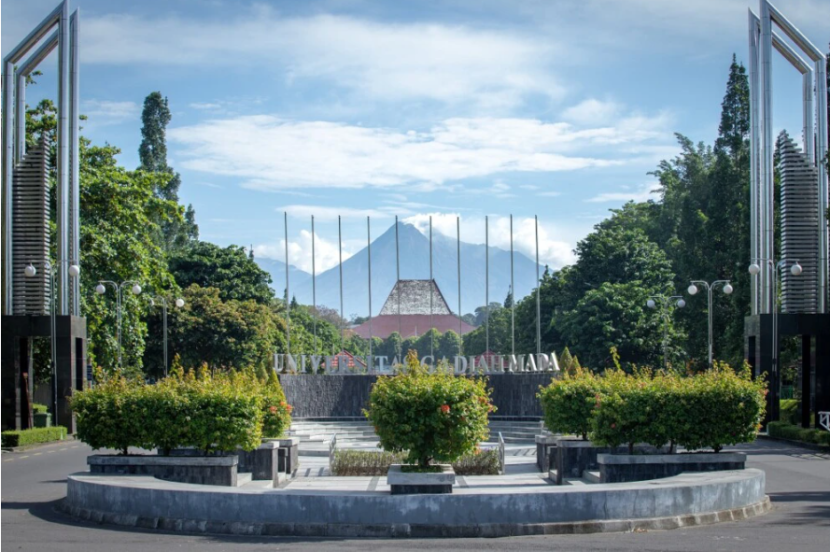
column 243, row 479
column 591, row 476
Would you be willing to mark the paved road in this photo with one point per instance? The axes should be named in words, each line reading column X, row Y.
column 798, row 481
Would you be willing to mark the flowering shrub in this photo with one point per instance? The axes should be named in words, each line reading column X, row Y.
column 192, row 409
column 568, row 403
column 434, row 416
column 276, row 410
column 369, row 463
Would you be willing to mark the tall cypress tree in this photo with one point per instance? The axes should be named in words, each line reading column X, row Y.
column 734, row 119
column 153, row 155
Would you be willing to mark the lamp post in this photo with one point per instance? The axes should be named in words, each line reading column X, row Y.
column 74, row 271
column 179, row 304
column 710, row 289
column 101, row 289
column 795, row 270
column 665, row 303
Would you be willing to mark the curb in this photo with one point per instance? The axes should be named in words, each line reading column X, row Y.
column 414, row 530
column 802, row 444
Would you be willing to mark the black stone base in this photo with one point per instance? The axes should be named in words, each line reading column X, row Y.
column 421, row 489
column 627, row 468
column 545, row 456
column 288, row 459
column 199, row 475
column 260, row 463
column 572, row 457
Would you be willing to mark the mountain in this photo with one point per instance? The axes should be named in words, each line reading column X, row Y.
column 414, row 261
column 277, row 270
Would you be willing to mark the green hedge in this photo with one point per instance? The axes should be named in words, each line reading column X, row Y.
column 371, row 463
column 19, row 438
column 193, row 409
column 784, row 430
column 38, row 408
column 790, row 411
column 709, row 410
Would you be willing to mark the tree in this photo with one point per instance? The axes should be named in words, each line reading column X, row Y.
column 153, row 155
column 449, row 345
column 229, row 269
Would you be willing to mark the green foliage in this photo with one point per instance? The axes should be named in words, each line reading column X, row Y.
column 38, row 408
column 376, row 463
column 707, row 410
column 22, row 437
column 228, row 269
column 790, row 411
column 430, row 416
column 784, row 430
column 568, row 403
column 192, row 409
column 276, row 410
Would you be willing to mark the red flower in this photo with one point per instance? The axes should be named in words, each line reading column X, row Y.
column 613, row 426
column 445, row 408
column 273, row 409
column 289, row 407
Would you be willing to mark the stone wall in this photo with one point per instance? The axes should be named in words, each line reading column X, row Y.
column 336, row 396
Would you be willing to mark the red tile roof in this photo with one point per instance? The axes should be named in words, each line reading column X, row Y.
column 411, row 325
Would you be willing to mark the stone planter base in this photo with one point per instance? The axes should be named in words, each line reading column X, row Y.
column 545, row 452
column 574, row 456
column 420, row 483
column 200, row 470
column 623, row 468
column 288, row 455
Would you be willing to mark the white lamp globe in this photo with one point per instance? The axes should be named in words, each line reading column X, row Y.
column 754, row 269
column 651, row 304
column 796, row 269
column 74, row 270
column 136, row 289
column 727, row 289
column 692, row 289
column 681, row 303
column 180, row 303
column 30, row 270
column 100, row 289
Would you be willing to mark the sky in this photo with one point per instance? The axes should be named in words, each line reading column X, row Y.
column 455, row 108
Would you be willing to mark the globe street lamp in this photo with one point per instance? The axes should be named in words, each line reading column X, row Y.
column 179, row 304
column 710, row 289
column 795, row 270
column 30, row 271
column 665, row 304
column 101, row 289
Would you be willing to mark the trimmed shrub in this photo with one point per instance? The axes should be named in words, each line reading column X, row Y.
column 790, row 411
column 371, row 463
column 22, row 437
column 39, row 408
column 783, row 430
column 434, row 416
column 568, row 403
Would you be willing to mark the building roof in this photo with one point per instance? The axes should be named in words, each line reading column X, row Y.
column 414, row 297
column 411, row 325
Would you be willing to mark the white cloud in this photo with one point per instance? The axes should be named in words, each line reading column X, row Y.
column 330, row 214
column 381, row 60
column 105, row 112
column 299, row 252
column 643, row 193
column 592, row 112
column 271, row 153
column 554, row 250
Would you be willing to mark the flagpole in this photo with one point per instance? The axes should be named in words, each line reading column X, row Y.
column 314, row 287
column 369, row 249
column 398, row 286
column 538, row 285
column 431, row 293
column 340, row 251
column 512, row 296
column 287, row 292
column 458, row 258
column 486, row 284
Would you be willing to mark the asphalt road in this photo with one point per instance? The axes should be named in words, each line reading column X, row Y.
column 798, row 482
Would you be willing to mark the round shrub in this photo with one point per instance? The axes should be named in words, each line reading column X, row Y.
column 430, row 417
column 568, row 403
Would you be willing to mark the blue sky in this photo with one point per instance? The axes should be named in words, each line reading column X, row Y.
column 472, row 108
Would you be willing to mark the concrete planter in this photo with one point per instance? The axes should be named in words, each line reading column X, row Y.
column 200, row 470
column 623, row 468
column 288, row 455
column 420, row 483
column 545, row 451
column 573, row 456
column 42, row 419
